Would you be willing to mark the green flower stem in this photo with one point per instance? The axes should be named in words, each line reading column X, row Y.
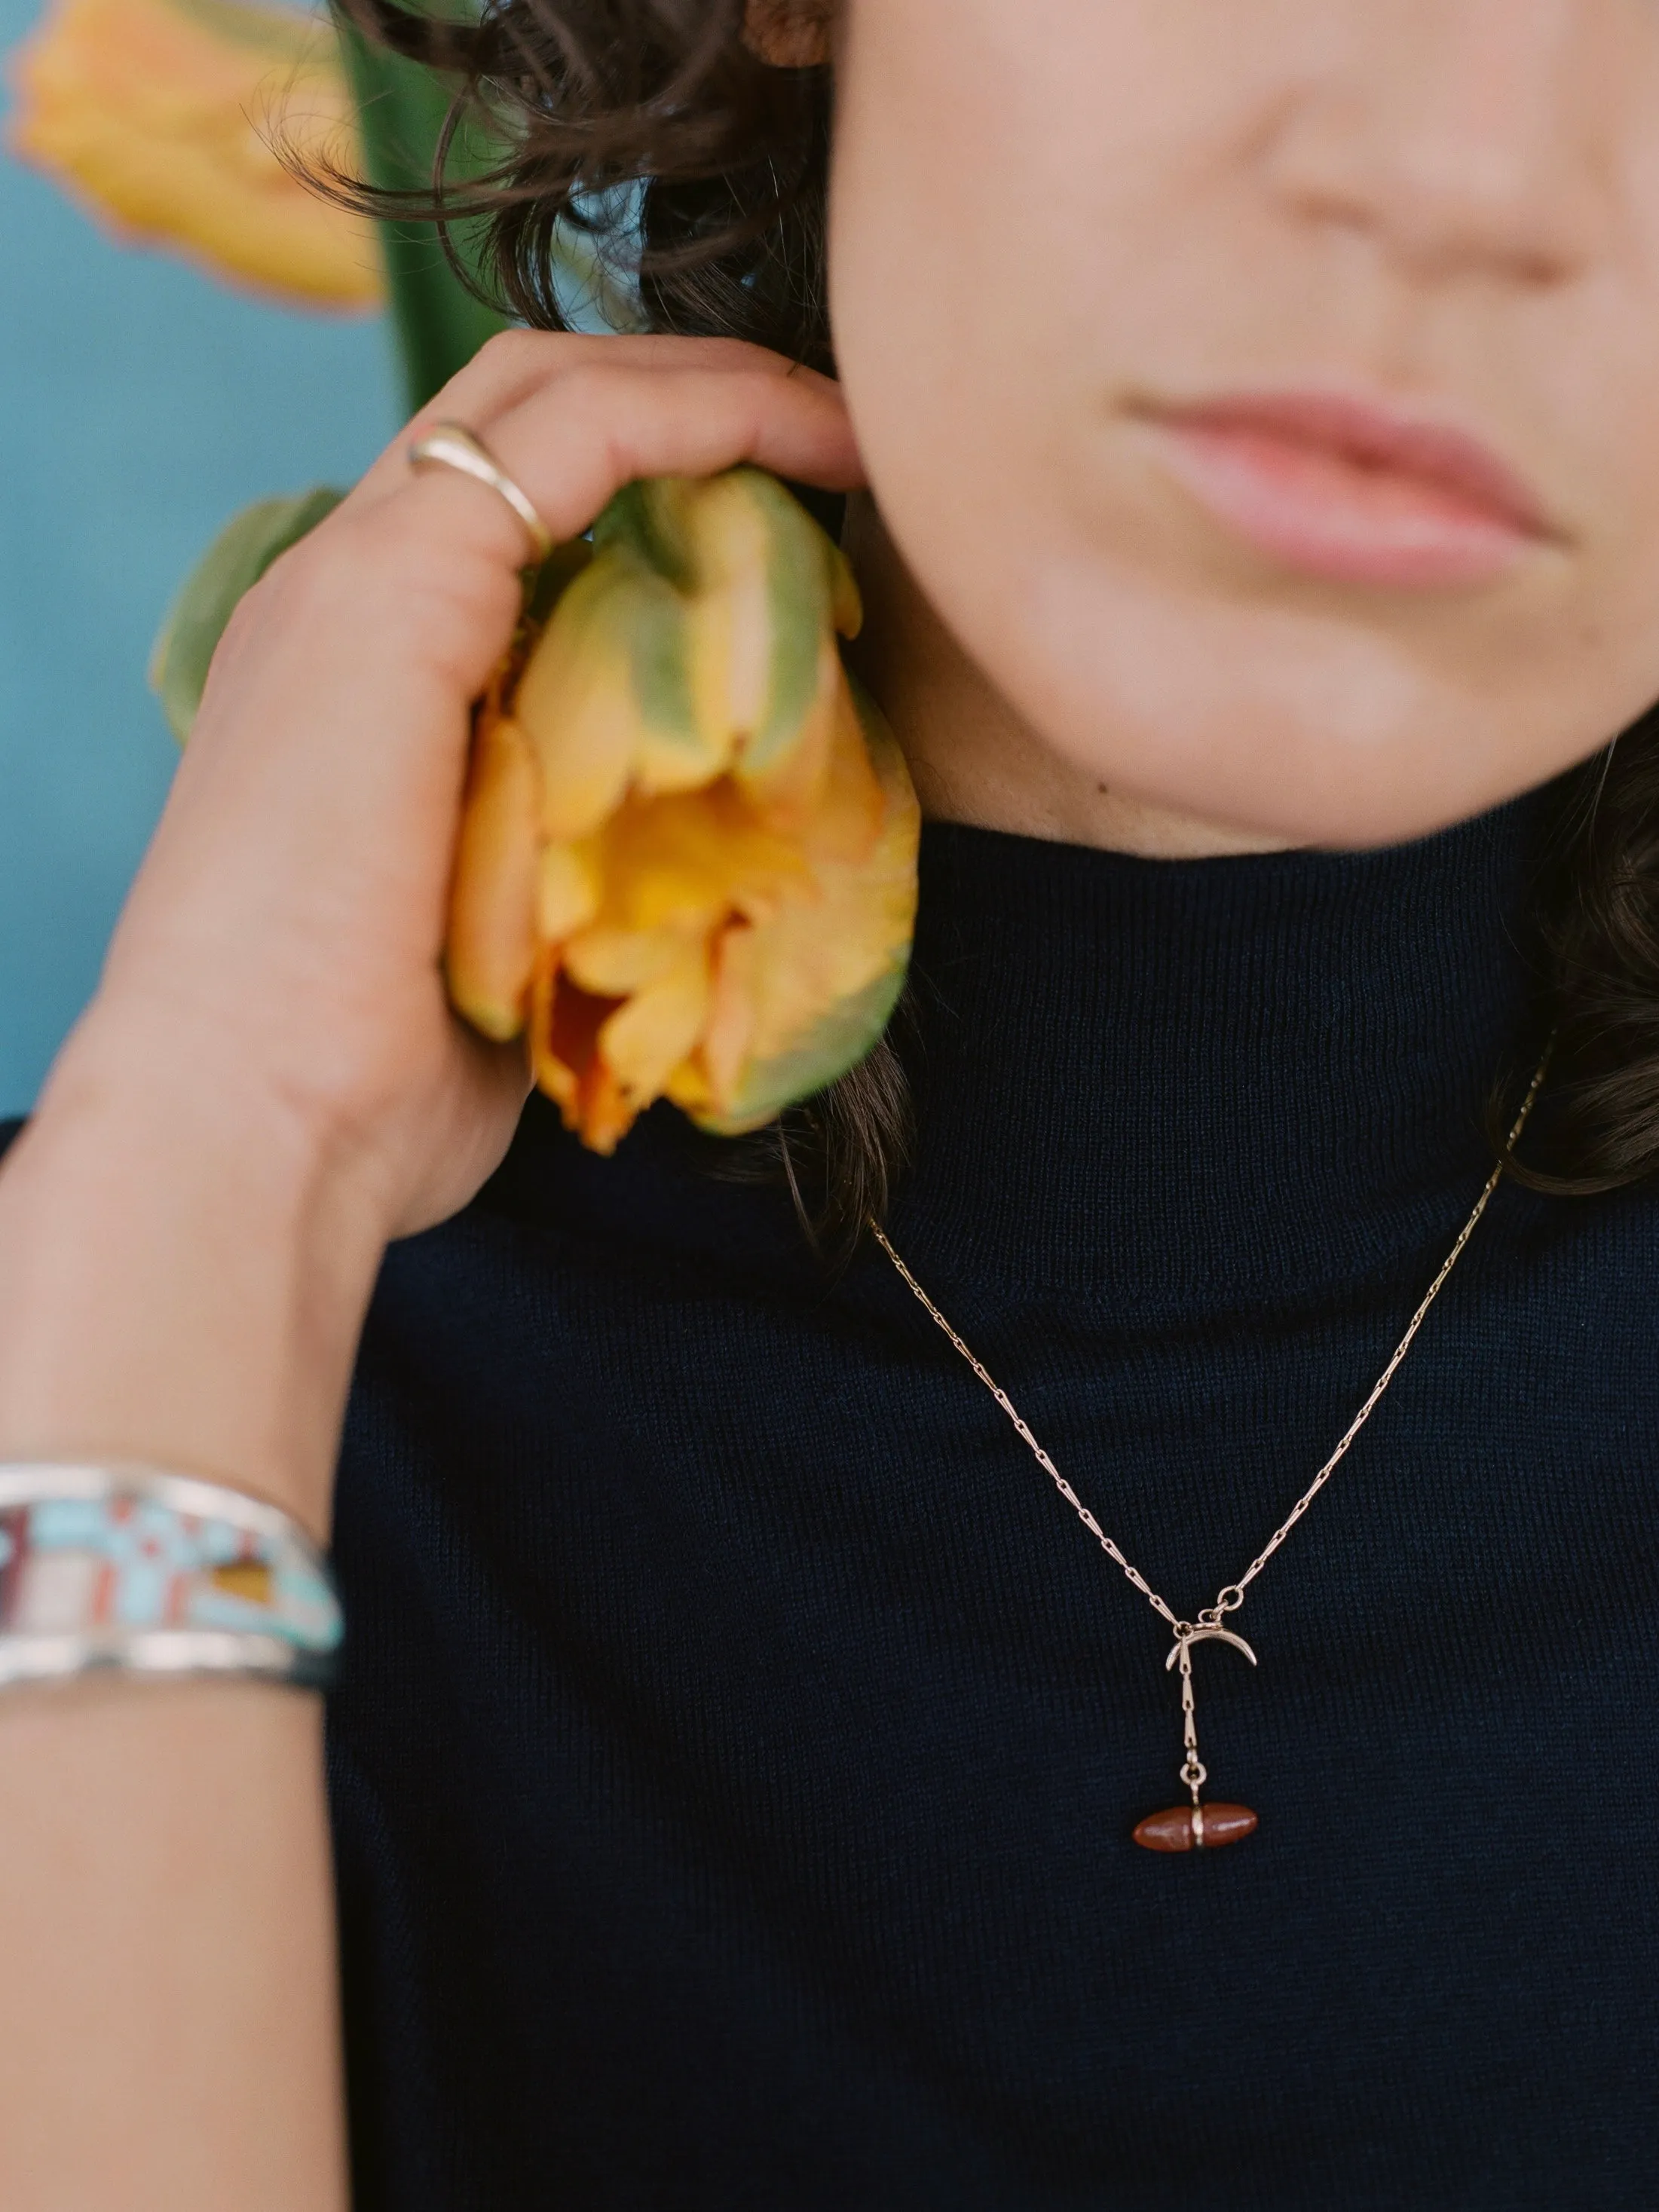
column 402, row 105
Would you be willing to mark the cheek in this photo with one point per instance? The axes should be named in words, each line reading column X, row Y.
column 1028, row 200
column 1272, row 707
column 1014, row 245
column 1272, row 710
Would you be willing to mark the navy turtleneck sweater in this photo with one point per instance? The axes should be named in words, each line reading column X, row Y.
column 739, row 1741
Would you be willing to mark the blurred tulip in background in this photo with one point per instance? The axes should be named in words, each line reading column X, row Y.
column 168, row 120
column 141, row 403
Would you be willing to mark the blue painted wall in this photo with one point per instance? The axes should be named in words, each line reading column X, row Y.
column 140, row 405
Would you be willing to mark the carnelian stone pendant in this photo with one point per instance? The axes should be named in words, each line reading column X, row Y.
column 1195, row 1827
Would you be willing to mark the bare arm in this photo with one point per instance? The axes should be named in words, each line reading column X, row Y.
column 269, row 1087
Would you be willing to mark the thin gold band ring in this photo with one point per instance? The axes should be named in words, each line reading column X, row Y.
column 451, row 446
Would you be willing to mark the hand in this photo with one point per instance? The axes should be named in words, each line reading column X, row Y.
column 282, row 944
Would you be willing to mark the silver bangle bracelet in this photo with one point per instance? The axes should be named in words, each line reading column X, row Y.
column 144, row 1572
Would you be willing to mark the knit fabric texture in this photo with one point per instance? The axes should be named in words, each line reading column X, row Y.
column 739, row 1741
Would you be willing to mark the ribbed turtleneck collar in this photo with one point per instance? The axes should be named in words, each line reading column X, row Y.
column 1195, row 1084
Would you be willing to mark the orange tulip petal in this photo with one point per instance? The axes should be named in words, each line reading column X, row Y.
column 851, row 803
column 846, row 601
column 566, row 1061
column 786, row 783
column 726, row 1046
column 644, row 1040
column 818, row 979
column 729, row 619
column 491, row 952
column 575, row 699
column 684, row 862
column 611, row 962
column 568, row 888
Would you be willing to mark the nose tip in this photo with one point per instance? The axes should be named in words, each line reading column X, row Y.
column 1461, row 141
column 1442, row 205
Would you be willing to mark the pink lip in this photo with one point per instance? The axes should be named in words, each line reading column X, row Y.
column 1344, row 489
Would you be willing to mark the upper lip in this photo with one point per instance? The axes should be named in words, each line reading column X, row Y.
column 1372, row 435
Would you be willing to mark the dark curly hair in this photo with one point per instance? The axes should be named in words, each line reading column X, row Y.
column 654, row 127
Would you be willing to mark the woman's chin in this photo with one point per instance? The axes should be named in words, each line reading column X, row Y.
column 1277, row 724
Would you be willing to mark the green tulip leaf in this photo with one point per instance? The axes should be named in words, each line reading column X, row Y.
column 231, row 565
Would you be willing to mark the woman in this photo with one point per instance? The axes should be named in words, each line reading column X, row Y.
column 739, row 1744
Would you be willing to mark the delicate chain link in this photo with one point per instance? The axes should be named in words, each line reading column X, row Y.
column 1231, row 1595
column 1194, row 1772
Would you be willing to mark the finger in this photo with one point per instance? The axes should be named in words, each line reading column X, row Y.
column 573, row 444
column 515, row 365
column 599, row 427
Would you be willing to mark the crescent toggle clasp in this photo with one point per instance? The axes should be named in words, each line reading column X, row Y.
column 1199, row 1635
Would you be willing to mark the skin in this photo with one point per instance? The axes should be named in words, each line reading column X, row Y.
column 1451, row 206
column 1453, row 202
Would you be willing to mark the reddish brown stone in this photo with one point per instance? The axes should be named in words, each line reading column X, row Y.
column 1177, row 1830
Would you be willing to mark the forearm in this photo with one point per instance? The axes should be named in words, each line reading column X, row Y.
column 168, row 2010
column 182, row 1285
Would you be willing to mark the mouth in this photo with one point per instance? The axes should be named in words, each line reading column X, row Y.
column 1347, row 490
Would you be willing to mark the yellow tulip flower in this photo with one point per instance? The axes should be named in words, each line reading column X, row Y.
column 687, row 861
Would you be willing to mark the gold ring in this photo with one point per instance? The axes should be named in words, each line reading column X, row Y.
column 451, row 446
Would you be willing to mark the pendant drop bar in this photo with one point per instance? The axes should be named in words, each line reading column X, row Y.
column 1197, row 1826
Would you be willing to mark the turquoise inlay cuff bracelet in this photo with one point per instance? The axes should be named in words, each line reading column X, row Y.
column 150, row 1573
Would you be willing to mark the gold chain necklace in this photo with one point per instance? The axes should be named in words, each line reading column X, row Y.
column 1198, row 1827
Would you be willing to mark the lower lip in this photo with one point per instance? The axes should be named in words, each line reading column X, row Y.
column 1311, row 508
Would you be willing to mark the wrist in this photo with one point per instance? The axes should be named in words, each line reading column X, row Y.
column 184, row 1263
column 141, row 1069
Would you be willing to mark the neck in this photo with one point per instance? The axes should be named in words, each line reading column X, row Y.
column 1167, row 1083
column 973, row 759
